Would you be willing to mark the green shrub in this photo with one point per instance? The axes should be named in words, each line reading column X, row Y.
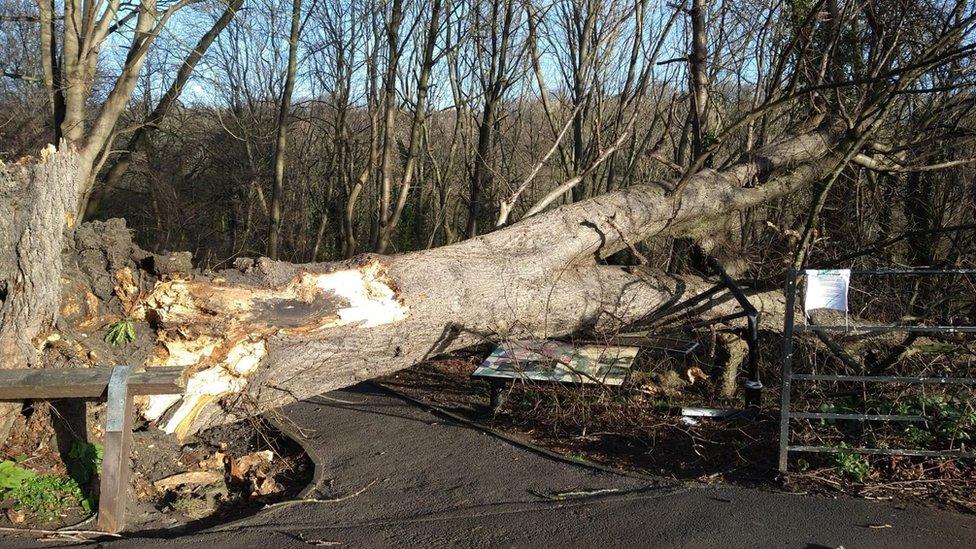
column 120, row 333
column 85, row 461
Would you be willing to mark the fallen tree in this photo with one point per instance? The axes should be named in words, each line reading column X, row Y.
column 267, row 333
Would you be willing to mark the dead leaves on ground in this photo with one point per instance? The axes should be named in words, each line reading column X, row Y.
column 218, row 478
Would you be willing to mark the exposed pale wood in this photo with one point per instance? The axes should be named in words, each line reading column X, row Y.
column 277, row 332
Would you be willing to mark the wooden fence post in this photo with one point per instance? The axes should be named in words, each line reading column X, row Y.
column 118, row 440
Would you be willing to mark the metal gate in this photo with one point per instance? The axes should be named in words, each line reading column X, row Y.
column 790, row 377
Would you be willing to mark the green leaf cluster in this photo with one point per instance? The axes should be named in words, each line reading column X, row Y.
column 44, row 496
column 120, row 333
column 852, row 465
column 85, row 461
column 12, row 475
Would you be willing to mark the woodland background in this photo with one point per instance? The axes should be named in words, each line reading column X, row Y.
column 399, row 125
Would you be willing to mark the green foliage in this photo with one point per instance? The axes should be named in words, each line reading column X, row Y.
column 833, row 408
column 852, row 465
column 953, row 420
column 44, row 496
column 918, row 436
column 938, row 348
column 802, row 465
column 578, row 457
column 950, row 420
column 709, row 139
column 797, row 12
column 120, row 333
column 85, row 461
column 12, row 475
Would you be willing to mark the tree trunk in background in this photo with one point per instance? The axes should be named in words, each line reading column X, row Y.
column 480, row 176
column 37, row 206
column 698, row 78
column 493, row 88
column 281, row 145
column 389, row 219
column 137, row 143
column 696, row 124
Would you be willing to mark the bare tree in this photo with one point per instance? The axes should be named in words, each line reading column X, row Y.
column 498, row 61
column 140, row 135
column 389, row 218
column 281, row 144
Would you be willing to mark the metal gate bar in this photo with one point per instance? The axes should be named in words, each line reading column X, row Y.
column 885, row 328
column 883, row 451
column 887, row 379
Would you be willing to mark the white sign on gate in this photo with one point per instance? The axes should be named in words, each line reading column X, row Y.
column 827, row 289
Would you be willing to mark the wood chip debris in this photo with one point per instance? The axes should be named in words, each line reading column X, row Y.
column 190, row 478
column 243, row 465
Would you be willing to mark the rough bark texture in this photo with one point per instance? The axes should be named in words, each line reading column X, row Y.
column 37, row 204
column 266, row 333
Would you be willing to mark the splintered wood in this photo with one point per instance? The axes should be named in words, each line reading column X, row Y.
column 220, row 331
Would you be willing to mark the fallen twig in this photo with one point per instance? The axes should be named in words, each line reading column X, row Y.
column 40, row 532
column 574, row 494
column 313, row 500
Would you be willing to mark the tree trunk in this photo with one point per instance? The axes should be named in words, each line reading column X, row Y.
column 268, row 333
column 37, row 205
column 698, row 114
column 281, row 145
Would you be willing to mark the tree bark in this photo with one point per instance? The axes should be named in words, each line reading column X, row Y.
column 37, row 204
